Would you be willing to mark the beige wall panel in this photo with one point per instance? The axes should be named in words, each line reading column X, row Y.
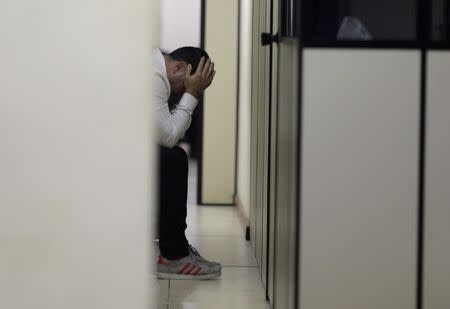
column 75, row 141
column 219, row 129
column 437, row 194
column 359, row 179
column 285, row 207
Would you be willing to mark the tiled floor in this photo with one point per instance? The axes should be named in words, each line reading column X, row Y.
column 218, row 235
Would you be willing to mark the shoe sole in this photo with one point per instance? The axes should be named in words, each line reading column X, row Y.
column 188, row 277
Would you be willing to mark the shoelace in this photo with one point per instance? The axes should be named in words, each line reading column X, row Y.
column 193, row 250
column 196, row 254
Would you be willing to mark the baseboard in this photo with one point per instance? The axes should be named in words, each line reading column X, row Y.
column 243, row 218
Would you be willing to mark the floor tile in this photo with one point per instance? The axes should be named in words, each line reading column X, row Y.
column 163, row 295
column 214, row 221
column 237, row 286
column 228, row 250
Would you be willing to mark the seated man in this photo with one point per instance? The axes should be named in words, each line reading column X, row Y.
column 184, row 73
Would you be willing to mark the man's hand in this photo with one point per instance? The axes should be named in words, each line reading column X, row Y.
column 197, row 83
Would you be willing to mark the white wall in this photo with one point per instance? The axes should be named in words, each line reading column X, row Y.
column 75, row 128
column 180, row 23
column 244, row 139
column 219, row 129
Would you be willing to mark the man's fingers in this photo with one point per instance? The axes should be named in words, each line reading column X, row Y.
column 188, row 70
column 206, row 68
column 200, row 66
column 211, row 69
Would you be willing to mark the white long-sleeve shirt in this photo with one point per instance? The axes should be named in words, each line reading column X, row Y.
column 171, row 125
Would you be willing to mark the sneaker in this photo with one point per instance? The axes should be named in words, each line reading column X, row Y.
column 197, row 255
column 187, row 268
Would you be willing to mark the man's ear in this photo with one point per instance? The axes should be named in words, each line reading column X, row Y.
column 180, row 67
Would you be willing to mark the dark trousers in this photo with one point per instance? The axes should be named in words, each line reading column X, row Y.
column 173, row 186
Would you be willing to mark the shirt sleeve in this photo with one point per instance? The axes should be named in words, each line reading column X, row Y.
column 172, row 125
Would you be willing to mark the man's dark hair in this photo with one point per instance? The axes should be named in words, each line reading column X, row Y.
column 189, row 54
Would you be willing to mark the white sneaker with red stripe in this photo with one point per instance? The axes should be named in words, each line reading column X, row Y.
column 187, row 268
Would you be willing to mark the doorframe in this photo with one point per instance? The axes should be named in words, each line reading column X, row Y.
column 200, row 111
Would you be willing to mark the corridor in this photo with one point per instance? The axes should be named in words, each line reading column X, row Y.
column 218, row 235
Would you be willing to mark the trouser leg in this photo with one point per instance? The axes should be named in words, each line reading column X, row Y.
column 173, row 186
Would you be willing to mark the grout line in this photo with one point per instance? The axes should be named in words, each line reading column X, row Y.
column 236, row 237
column 168, row 295
column 223, row 266
column 218, row 236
